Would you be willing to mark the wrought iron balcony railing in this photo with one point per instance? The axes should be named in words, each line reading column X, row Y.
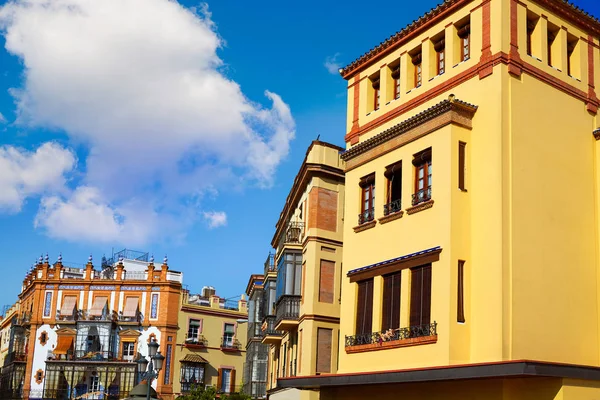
column 270, row 264
column 83, row 355
column 393, row 335
column 294, row 232
column 366, row 216
column 392, row 207
column 254, row 330
column 15, row 356
column 288, row 307
column 421, row 196
column 268, row 327
column 24, row 318
column 229, row 343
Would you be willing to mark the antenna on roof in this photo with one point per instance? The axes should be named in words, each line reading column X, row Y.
column 318, row 136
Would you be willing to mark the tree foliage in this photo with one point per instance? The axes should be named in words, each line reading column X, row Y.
column 209, row 393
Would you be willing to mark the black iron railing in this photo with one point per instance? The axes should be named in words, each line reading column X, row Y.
column 188, row 386
column 254, row 330
column 393, row 334
column 294, row 232
column 366, row 216
column 288, row 307
column 392, row 207
column 270, row 264
column 421, row 196
column 256, row 390
column 268, row 326
column 83, row 355
column 229, row 343
column 24, row 318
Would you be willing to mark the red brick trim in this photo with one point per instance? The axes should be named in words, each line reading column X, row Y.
column 395, row 344
column 364, row 227
column 514, row 67
column 486, row 49
column 592, row 103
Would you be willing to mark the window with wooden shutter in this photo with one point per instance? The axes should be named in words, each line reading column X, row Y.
column 420, row 295
column 462, row 149
column 460, row 307
column 395, row 75
column 220, row 379
column 232, row 382
column 423, row 176
column 324, row 337
column 326, row 281
column 364, row 307
column 391, row 302
column 464, row 33
column 367, row 185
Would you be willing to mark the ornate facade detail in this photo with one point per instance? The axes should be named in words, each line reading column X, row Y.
column 419, row 207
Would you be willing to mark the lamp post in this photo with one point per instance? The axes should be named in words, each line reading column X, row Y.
column 149, row 367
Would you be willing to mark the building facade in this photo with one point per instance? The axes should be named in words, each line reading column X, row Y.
column 78, row 331
column 210, row 342
column 301, row 322
column 257, row 353
column 468, row 277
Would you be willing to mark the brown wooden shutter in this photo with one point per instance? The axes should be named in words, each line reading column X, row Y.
column 395, row 319
column 326, row 281
column 416, row 279
column 220, row 379
column 461, row 165
column 364, row 307
column 426, row 310
column 324, row 337
column 232, row 381
column 460, row 311
column 387, row 302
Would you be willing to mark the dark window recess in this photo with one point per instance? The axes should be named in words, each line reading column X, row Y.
column 393, row 174
column 395, row 68
column 462, row 147
column 440, row 50
column 417, row 61
column 460, row 307
column 376, row 92
column 367, row 185
column 391, row 302
column 423, row 177
column 531, row 23
column 420, row 295
column 364, row 307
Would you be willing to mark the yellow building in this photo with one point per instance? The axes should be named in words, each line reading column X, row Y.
column 302, row 279
column 477, row 275
column 210, row 342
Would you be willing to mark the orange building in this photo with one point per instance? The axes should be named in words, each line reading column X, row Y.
column 79, row 330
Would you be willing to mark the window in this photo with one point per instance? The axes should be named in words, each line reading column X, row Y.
column 364, row 307
column 94, row 383
column 462, row 148
column 572, row 56
column 420, row 295
column 391, row 302
column 289, row 275
column 393, row 174
column 193, row 330
column 191, row 374
column 226, row 380
column 367, row 185
column 395, row 74
column 417, row 61
column 43, row 338
column 376, row 92
column 533, row 35
column 423, row 177
column 530, row 29
column 228, row 335
column 440, row 51
column 464, row 34
column 551, row 38
column 460, row 307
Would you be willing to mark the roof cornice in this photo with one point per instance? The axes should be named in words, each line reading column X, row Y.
column 570, row 12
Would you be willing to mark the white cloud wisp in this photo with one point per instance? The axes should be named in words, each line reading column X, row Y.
column 332, row 65
column 140, row 83
column 215, row 219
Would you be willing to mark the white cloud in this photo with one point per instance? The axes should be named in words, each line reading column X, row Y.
column 141, row 84
column 27, row 173
column 215, row 219
column 332, row 64
column 2, row 119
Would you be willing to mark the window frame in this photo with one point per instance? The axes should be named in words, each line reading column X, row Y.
column 420, row 295
column 464, row 34
column 393, row 173
column 462, row 166
column 367, row 201
column 423, row 161
column 364, row 312
column 460, row 301
column 440, row 55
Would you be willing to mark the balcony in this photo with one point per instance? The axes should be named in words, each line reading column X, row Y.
column 24, row 319
column 270, row 264
column 392, row 208
column 287, row 312
column 294, row 233
column 366, row 216
column 254, row 331
column 15, row 356
column 269, row 334
column 198, row 342
column 421, row 196
column 228, row 343
column 84, row 355
column 392, row 338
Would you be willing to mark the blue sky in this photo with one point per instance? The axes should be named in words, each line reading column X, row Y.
column 169, row 128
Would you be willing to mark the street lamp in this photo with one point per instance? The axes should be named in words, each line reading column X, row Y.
column 149, row 367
